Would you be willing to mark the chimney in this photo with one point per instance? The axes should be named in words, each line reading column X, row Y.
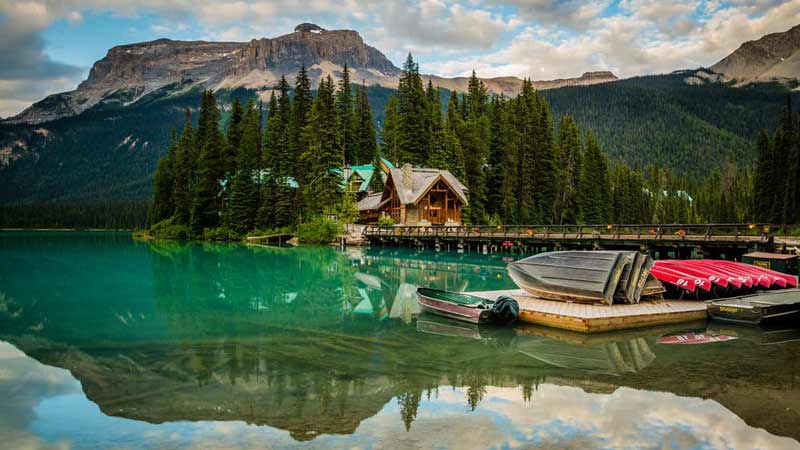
column 408, row 179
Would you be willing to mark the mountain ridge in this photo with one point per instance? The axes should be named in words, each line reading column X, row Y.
column 774, row 57
column 129, row 72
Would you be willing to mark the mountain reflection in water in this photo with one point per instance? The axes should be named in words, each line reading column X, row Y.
column 214, row 346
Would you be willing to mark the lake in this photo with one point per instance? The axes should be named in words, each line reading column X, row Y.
column 110, row 343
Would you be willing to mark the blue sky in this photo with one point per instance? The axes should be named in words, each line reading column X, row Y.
column 48, row 46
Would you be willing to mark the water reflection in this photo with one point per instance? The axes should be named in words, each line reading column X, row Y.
column 311, row 346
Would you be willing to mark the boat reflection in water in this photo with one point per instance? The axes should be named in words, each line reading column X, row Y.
column 213, row 346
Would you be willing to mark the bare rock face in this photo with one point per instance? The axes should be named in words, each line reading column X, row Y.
column 129, row 72
column 512, row 86
column 774, row 57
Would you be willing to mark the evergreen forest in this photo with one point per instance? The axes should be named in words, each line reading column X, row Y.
column 279, row 165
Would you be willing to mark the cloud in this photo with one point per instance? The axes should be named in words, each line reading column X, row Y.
column 527, row 38
column 576, row 14
column 26, row 71
column 436, row 24
column 641, row 41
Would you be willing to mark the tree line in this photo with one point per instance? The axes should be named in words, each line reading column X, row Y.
column 777, row 180
column 264, row 173
column 521, row 165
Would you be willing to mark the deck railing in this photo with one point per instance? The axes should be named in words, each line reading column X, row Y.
column 704, row 232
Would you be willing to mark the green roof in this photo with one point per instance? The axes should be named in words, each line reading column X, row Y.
column 365, row 172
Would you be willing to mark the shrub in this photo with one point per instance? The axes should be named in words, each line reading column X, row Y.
column 385, row 222
column 167, row 230
column 319, row 230
column 220, row 234
column 269, row 231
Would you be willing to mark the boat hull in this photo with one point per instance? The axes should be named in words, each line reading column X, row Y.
column 472, row 313
column 570, row 276
column 758, row 309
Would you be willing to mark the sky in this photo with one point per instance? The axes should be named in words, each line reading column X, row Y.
column 48, row 46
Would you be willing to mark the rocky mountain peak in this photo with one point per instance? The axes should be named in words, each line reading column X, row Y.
column 129, row 72
column 773, row 57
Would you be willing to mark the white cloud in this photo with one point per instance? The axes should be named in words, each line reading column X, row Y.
column 629, row 44
column 527, row 38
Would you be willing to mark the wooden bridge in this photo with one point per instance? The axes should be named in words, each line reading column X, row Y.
column 676, row 240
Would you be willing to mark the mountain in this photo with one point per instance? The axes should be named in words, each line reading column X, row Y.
column 129, row 73
column 511, row 86
column 772, row 58
column 100, row 143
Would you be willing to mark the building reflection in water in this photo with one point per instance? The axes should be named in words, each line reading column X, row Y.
column 317, row 342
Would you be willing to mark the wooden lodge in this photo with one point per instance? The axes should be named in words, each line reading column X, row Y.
column 358, row 178
column 416, row 196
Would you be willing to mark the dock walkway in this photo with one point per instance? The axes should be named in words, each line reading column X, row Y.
column 599, row 318
column 713, row 238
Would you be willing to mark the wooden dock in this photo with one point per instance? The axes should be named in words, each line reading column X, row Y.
column 680, row 239
column 272, row 239
column 600, row 318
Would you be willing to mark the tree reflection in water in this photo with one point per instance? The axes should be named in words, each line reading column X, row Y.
column 316, row 341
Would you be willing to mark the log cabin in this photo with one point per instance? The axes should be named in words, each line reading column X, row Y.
column 416, row 196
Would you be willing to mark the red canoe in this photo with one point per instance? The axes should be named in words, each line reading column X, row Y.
column 749, row 268
column 759, row 279
column 721, row 281
column 694, row 338
column 744, row 279
column 679, row 279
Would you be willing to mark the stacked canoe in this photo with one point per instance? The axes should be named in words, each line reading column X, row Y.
column 718, row 278
column 603, row 277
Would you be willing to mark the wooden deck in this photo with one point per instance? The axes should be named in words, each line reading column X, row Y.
column 279, row 239
column 718, row 237
column 599, row 318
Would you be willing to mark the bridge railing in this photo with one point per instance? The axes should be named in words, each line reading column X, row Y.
column 728, row 231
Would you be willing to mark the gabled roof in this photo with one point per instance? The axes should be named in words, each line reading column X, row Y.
column 365, row 172
column 421, row 180
column 371, row 202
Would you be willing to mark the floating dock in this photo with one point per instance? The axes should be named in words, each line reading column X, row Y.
column 599, row 318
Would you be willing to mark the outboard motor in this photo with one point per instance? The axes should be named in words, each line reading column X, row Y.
column 505, row 310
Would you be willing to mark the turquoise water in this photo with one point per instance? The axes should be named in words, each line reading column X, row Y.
column 110, row 343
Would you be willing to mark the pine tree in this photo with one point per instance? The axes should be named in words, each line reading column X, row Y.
column 446, row 153
column 475, row 145
column 545, row 177
column 569, row 169
column 390, row 133
column 163, row 205
column 527, row 122
column 593, row 194
column 346, row 119
column 376, row 183
column 366, row 145
column 477, row 96
column 234, row 136
column 183, row 175
column 454, row 117
column 324, row 154
column 779, row 174
column 435, row 106
column 502, row 180
column 301, row 109
column 242, row 199
column 272, row 133
column 278, row 198
column 210, row 170
column 413, row 116
column 764, row 180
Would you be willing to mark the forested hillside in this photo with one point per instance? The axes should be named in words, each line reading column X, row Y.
column 690, row 128
column 109, row 153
